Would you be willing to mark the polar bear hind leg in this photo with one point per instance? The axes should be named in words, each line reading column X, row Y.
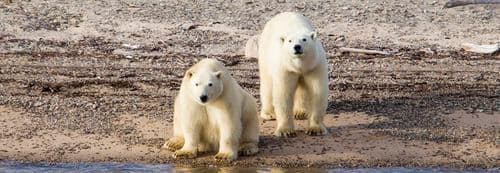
column 250, row 134
column 301, row 101
column 266, row 95
column 248, row 149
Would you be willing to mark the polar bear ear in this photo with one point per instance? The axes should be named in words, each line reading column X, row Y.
column 314, row 35
column 189, row 73
column 218, row 74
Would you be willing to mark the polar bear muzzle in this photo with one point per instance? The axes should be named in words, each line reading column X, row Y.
column 203, row 98
column 298, row 49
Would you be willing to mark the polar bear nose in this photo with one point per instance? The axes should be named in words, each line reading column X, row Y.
column 203, row 98
column 298, row 49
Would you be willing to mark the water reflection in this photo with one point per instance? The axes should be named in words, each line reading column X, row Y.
column 248, row 170
column 136, row 168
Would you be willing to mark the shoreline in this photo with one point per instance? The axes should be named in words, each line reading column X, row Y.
column 96, row 81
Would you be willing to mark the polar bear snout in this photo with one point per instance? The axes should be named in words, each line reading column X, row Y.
column 298, row 49
column 203, row 98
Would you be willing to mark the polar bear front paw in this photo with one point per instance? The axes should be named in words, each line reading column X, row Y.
column 285, row 132
column 174, row 144
column 221, row 156
column 268, row 116
column 183, row 154
column 317, row 131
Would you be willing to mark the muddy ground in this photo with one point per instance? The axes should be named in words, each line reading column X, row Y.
column 93, row 81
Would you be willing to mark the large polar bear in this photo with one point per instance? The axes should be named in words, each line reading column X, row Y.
column 294, row 74
column 212, row 111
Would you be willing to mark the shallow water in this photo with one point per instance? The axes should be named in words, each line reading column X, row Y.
column 133, row 168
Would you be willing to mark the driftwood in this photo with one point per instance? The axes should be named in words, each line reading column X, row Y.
column 364, row 51
column 456, row 3
column 487, row 49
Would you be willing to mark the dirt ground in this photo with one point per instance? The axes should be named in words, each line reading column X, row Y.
column 93, row 81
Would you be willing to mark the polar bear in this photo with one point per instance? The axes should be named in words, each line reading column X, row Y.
column 294, row 74
column 251, row 47
column 213, row 112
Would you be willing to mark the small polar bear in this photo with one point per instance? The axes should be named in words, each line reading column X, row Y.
column 294, row 74
column 213, row 112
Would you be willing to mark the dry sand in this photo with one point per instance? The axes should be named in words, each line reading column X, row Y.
column 92, row 81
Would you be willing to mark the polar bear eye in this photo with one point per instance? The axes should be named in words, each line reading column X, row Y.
column 289, row 41
column 196, row 84
column 304, row 40
column 210, row 84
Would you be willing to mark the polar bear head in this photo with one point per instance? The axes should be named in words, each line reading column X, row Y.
column 300, row 43
column 205, row 84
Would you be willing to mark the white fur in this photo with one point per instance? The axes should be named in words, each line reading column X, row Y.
column 290, row 83
column 227, row 122
column 251, row 47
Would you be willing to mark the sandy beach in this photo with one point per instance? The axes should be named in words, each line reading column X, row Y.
column 95, row 81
